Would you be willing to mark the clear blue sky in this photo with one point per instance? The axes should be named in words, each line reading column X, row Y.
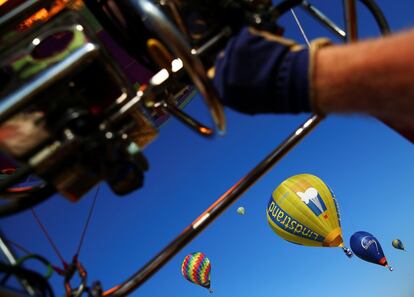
column 370, row 168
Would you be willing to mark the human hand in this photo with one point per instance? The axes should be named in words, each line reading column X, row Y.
column 262, row 73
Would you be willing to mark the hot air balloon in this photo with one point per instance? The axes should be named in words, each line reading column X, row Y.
column 303, row 210
column 241, row 211
column 368, row 248
column 398, row 244
column 196, row 268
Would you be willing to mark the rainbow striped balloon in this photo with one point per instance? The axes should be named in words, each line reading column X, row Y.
column 196, row 268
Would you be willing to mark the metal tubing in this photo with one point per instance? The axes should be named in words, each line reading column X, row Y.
column 351, row 21
column 190, row 122
column 176, row 15
column 9, row 256
column 25, row 9
column 218, row 207
column 212, row 43
column 323, row 19
column 378, row 15
column 155, row 19
column 13, row 103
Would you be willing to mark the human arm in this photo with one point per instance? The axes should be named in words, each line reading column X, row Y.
column 371, row 77
column 374, row 77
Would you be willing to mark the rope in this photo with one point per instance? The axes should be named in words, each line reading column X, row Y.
column 49, row 238
column 92, row 207
column 300, row 27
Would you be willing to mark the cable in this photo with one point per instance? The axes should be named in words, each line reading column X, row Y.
column 48, row 237
column 85, row 228
column 300, row 27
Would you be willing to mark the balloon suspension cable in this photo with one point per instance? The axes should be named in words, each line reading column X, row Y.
column 48, row 237
column 85, row 228
column 300, row 27
column 19, row 247
column 347, row 251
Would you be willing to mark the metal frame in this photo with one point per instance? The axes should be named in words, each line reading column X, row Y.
column 234, row 192
column 351, row 21
column 152, row 16
column 9, row 256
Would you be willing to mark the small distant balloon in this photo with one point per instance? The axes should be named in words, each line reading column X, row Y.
column 241, row 211
column 196, row 268
column 398, row 244
column 368, row 248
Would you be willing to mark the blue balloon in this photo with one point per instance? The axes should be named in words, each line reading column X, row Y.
column 368, row 248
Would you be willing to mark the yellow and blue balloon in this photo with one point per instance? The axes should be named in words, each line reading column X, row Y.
column 303, row 210
column 396, row 243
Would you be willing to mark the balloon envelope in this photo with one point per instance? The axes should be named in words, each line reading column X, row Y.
column 398, row 244
column 368, row 248
column 241, row 210
column 303, row 210
column 196, row 268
